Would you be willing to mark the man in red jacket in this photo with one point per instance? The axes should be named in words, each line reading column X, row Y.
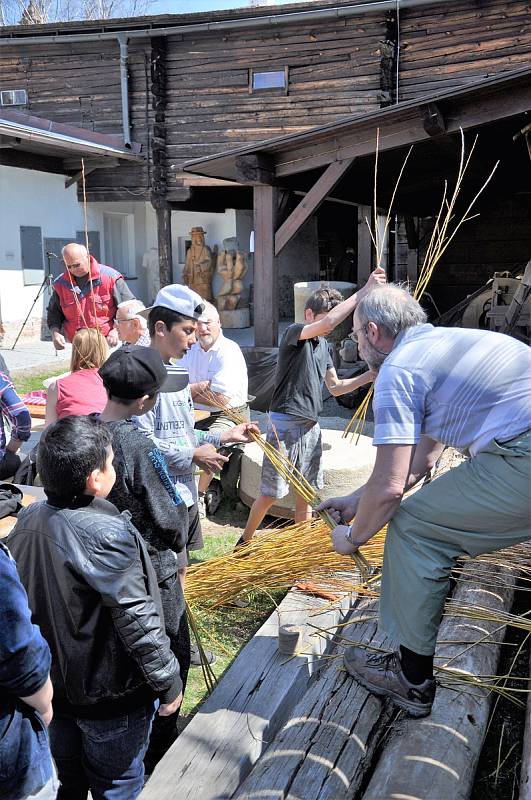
column 86, row 295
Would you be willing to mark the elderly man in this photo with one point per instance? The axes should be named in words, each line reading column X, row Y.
column 216, row 365
column 85, row 295
column 131, row 327
column 468, row 389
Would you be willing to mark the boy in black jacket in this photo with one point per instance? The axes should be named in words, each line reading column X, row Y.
column 133, row 377
column 95, row 598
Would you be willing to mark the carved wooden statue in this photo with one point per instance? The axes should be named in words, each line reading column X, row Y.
column 231, row 266
column 198, row 269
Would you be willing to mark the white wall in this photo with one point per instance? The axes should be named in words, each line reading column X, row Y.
column 35, row 198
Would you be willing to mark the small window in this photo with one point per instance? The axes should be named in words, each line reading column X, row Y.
column 270, row 80
column 13, row 97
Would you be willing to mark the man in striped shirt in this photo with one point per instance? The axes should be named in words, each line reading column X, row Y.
column 469, row 389
column 12, row 408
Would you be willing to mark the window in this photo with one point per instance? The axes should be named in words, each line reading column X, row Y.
column 118, row 234
column 268, row 81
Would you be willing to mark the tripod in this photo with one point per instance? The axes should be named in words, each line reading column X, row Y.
column 46, row 283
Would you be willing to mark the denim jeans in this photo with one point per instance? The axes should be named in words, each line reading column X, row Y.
column 103, row 755
column 25, row 763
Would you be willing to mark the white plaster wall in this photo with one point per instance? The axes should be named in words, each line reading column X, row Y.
column 28, row 197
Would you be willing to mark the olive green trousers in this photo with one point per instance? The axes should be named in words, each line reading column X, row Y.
column 480, row 506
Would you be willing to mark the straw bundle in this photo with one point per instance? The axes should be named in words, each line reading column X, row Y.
column 444, row 230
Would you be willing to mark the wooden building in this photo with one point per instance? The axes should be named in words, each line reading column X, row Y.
column 189, row 86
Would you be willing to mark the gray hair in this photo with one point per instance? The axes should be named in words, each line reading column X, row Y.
column 133, row 307
column 392, row 307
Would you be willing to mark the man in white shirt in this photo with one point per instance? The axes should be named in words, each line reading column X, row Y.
column 216, row 366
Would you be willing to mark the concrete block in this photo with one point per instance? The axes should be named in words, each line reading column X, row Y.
column 346, row 466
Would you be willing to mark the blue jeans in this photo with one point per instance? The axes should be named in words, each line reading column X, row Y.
column 25, row 763
column 103, row 755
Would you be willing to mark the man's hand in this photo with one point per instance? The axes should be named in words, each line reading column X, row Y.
column 166, row 709
column 341, row 509
column 240, row 433
column 198, row 388
column 376, row 278
column 208, row 459
column 14, row 445
column 47, row 715
column 112, row 338
column 342, row 545
column 58, row 340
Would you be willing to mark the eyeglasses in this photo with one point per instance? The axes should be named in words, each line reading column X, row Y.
column 125, row 319
column 74, row 266
column 354, row 334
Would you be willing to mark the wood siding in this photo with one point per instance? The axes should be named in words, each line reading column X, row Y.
column 336, row 68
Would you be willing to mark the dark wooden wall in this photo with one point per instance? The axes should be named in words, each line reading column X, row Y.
column 195, row 88
column 450, row 44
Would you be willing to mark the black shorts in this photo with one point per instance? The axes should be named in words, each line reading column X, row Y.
column 195, row 536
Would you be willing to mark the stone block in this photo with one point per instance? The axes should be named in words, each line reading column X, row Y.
column 346, row 466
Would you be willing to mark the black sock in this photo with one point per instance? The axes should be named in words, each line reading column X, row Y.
column 416, row 668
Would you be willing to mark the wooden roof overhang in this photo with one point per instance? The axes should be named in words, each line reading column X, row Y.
column 32, row 142
column 496, row 108
column 338, row 160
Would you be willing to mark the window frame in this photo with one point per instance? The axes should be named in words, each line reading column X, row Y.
column 279, row 90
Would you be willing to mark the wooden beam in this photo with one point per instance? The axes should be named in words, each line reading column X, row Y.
column 254, row 169
column 364, row 244
column 265, row 267
column 310, row 203
column 334, row 145
column 8, row 142
column 163, row 213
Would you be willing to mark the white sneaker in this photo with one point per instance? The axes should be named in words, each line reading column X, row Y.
column 201, row 507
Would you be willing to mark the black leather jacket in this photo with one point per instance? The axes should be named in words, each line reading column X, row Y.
column 95, row 597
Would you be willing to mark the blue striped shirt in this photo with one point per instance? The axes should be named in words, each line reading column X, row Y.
column 12, row 407
column 460, row 387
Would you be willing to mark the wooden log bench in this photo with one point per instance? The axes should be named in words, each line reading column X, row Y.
column 219, row 747
column 272, row 731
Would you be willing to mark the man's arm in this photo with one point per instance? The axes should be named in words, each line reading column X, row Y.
column 54, row 314
column 338, row 386
column 380, row 498
column 24, row 655
column 334, row 317
column 427, row 451
column 12, row 406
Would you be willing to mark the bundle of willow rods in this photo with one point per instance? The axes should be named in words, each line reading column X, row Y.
column 444, row 230
column 276, row 559
column 286, row 469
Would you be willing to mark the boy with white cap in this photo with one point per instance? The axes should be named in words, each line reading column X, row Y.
column 172, row 322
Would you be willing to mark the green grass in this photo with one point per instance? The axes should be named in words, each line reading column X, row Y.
column 227, row 630
column 33, row 382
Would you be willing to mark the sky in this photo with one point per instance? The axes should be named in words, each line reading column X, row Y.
column 191, row 6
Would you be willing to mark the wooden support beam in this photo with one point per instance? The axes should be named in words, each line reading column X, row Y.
column 255, row 169
column 310, row 203
column 163, row 213
column 365, row 246
column 265, row 267
column 8, row 142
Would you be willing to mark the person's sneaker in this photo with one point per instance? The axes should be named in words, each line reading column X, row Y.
column 382, row 674
column 201, row 506
column 241, row 546
column 195, row 656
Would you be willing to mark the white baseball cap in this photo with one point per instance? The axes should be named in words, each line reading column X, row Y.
column 178, row 298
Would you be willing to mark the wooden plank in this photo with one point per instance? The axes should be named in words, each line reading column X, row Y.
column 327, row 743
column 309, row 204
column 436, row 757
column 265, row 293
column 231, row 729
column 163, row 213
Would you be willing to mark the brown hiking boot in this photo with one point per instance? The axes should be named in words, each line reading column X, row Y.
column 381, row 674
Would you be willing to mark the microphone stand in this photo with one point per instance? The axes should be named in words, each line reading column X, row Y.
column 46, row 283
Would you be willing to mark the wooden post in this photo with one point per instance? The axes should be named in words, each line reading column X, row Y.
column 163, row 212
column 364, row 244
column 265, row 267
